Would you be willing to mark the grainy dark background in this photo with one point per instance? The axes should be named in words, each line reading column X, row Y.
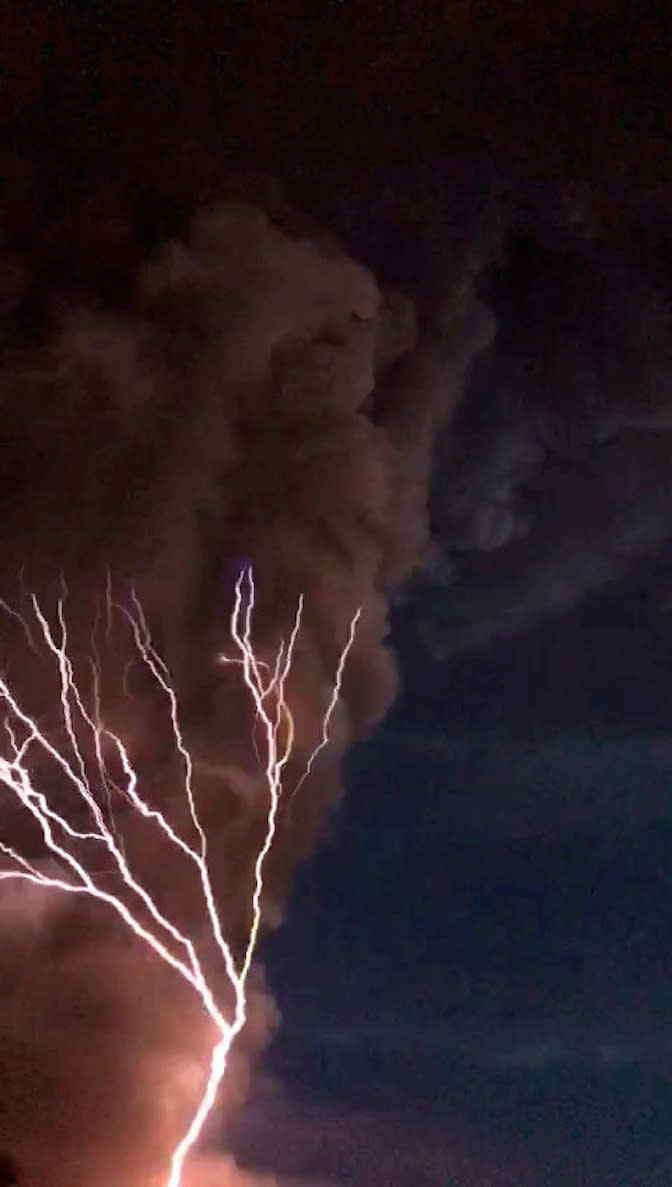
column 479, row 964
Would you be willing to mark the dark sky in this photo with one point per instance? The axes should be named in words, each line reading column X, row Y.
column 577, row 89
column 475, row 973
column 486, row 940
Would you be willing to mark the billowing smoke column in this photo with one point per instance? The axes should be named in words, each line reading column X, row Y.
column 258, row 405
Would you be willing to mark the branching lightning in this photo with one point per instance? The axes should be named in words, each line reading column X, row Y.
column 78, row 850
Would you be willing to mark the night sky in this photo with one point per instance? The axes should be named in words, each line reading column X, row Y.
column 473, row 973
column 485, row 946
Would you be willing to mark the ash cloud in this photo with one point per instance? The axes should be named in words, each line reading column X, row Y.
column 554, row 478
column 252, row 400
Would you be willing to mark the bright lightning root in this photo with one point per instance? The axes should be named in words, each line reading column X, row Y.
column 266, row 684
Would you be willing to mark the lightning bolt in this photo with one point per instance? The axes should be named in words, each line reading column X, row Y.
column 77, row 849
column 333, row 701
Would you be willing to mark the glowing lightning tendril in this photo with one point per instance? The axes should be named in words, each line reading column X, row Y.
column 267, row 687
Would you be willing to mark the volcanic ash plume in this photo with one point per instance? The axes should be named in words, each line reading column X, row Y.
column 555, row 478
column 259, row 409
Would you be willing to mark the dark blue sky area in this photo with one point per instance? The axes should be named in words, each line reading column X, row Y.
column 486, row 940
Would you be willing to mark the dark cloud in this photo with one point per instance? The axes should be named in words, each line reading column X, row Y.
column 315, row 1142
column 554, row 478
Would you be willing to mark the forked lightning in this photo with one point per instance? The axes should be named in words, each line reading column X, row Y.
column 267, row 685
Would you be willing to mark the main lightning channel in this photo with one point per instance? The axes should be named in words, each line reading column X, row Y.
column 266, row 683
